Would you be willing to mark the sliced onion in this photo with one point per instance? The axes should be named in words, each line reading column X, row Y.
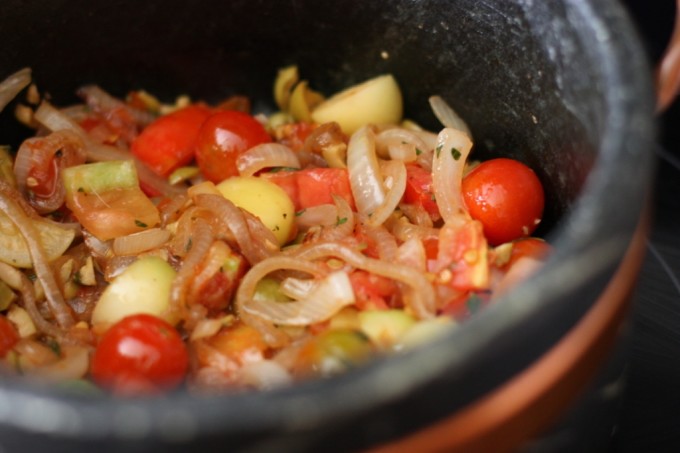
column 385, row 242
column 201, row 240
column 447, row 116
column 453, row 148
column 344, row 222
column 412, row 253
column 30, row 304
column 297, row 288
column 266, row 155
column 395, row 178
column 60, row 150
column 136, row 243
column 254, row 248
column 421, row 298
column 246, row 291
column 326, row 299
column 404, row 230
column 39, row 259
column 323, row 214
column 416, row 214
column 400, row 144
column 55, row 120
column 215, row 258
column 12, row 85
column 99, row 100
column 364, row 171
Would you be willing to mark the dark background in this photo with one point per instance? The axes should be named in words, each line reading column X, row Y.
column 650, row 419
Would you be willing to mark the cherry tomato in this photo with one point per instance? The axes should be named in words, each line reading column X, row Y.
column 506, row 196
column 140, row 354
column 531, row 247
column 222, row 138
column 419, row 190
column 8, row 336
column 168, row 143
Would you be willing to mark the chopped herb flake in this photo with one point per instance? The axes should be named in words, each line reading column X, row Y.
column 455, row 153
column 419, row 151
column 299, row 213
column 340, row 221
column 438, row 149
column 140, row 224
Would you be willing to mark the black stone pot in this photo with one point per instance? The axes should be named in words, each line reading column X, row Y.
column 560, row 85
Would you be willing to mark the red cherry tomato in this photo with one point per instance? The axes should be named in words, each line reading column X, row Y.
column 222, row 138
column 8, row 336
column 168, row 143
column 140, row 354
column 530, row 247
column 506, row 196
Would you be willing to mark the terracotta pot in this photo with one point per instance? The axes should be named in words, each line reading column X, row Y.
column 563, row 86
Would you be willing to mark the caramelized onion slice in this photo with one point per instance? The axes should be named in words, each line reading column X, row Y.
column 326, row 299
column 12, row 85
column 447, row 116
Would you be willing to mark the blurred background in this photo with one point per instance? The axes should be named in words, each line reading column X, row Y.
column 650, row 417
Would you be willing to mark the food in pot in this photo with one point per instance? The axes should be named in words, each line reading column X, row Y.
column 149, row 247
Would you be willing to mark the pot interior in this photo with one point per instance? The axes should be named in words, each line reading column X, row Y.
column 526, row 76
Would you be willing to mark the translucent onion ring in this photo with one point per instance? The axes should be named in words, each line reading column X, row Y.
column 395, row 174
column 266, row 155
column 55, row 299
column 55, row 120
column 448, row 165
column 365, row 177
column 421, row 299
column 12, row 85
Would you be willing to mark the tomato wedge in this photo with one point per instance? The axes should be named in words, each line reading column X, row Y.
column 313, row 186
column 168, row 143
column 8, row 336
column 419, row 190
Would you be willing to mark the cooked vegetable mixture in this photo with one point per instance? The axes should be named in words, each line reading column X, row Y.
column 147, row 247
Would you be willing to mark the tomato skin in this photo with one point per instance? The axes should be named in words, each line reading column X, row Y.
column 168, row 143
column 506, row 196
column 222, row 138
column 139, row 354
column 8, row 336
column 373, row 292
column 313, row 186
column 530, row 247
column 419, row 190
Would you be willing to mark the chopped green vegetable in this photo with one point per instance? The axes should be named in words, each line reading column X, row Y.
column 100, row 177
